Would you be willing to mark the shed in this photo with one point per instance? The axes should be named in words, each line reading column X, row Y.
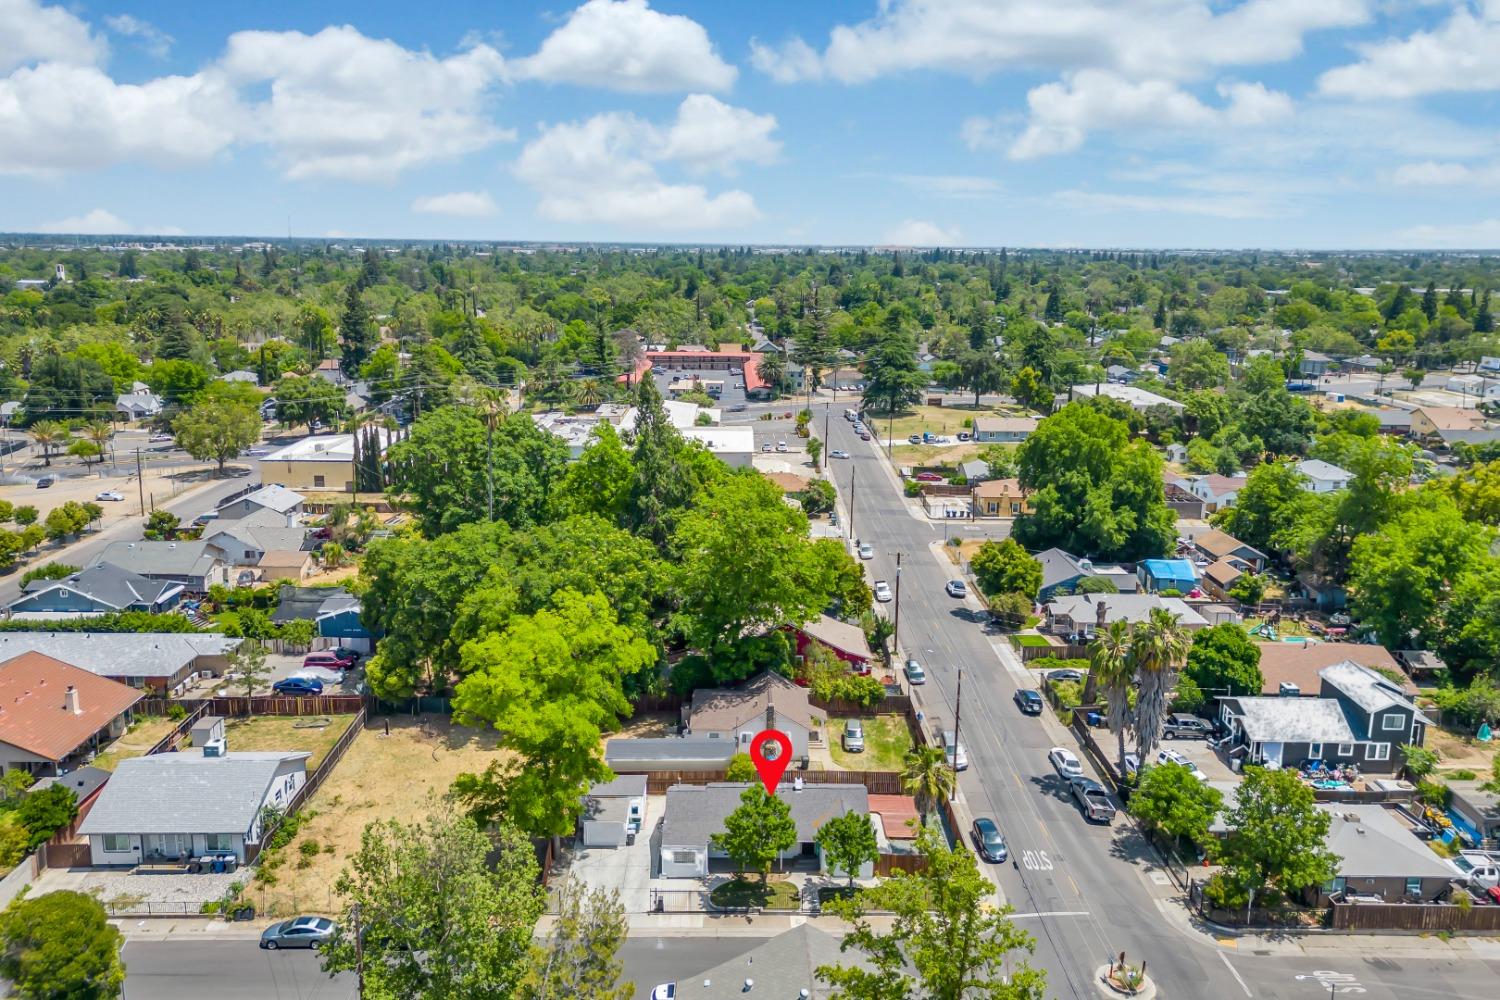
column 613, row 811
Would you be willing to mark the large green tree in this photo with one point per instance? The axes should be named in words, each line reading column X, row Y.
column 600, row 481
column 1158, row 647
column 60, row 945
column 358, row 336
column 304, row 399
column 217, row 429
column 757, row 832
column 847, row 842
column 667, row 475
column 580, row 957
column 1276, row 841
column 892, row 379
column 1223, row 660
column 1171, row 799
column 1004, row 567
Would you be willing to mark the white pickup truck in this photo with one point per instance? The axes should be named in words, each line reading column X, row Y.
column 1479, row 869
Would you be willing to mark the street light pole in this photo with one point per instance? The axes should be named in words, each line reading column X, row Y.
column 853, row 472
column 896, row 626
column 140, row 480
column 958, row 706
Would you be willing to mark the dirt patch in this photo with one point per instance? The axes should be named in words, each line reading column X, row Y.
column 142, row 736
column 1460, row 751
column 934, row 454
column 964, row 551
column 648, row 724
column 381, row 777
column 287, row 732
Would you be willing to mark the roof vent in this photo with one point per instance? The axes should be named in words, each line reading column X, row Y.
column 749, row 985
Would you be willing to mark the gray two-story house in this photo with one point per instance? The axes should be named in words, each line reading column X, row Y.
column 1359, row 717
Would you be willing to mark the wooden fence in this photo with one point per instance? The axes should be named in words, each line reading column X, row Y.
column 1063, row 652
column 877, row 782
column 313, row 783
column 889, row 705
column 887, row 864
column 171, row 741
column 239, row 707
column 1432, row 917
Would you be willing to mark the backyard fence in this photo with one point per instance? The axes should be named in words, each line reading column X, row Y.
column 170, row 741
column 313, row 783
column 1433, row 917
column 888, row 864
column 236, row 707
column 877, row 782
column 889, row 705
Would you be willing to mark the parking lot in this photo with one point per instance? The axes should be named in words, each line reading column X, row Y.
column 731, row 395
column 281, row 666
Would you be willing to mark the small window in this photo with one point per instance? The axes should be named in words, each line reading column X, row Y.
column 1393, row 721
column 1346, row 750
column 1015, row 508
column 116, row 843
column 1379, row 751
column 1315, row 749
column 319, row 481
column 1414, row 887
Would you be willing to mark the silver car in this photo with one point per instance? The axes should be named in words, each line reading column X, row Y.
column 854, row 736
column 299, row 932
column 882, row 592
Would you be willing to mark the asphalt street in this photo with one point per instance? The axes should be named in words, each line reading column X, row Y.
column 1084, row 891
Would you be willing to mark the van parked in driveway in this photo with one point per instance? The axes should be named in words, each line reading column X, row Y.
column 329, row 660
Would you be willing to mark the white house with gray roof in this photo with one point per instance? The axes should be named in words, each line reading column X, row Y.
column 94, row 590
column 180, row 805
column 695, row 813
column 1324, row 477
column 164, row 661
column 784, row 968
column 273, row 497
column 196, row 565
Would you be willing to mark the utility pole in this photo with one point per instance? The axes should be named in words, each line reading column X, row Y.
column 140, row 480
column 958, row 705
column 896, row 627
column 853, row 472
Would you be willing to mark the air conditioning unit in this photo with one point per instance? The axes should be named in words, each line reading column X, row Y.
column 215, row 748
column 1287, row 689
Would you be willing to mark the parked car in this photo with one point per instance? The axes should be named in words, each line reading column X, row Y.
column 1131, row 763
column 45, row 482
column 956, row 588
column 914, row 673
column 1478, row 869
column 866, row 550
column 854, row 736
column 159, row 436
column 781, row 446
column 1065, row 762
column 766, row 446
column 928, row 477
column 882, row 592
column 988, row 841
column 963, row 435
column 957, row 756
column 666, row 991
column 838, row 453
column 345, row 653
column 328, row 659
column 299, row 932
column 1065, row 674
column 1165, row 756
column 864, row 435
column 296, row 686
column 1181, row 726
column 1093, row 800
column 914, row 439
column 110, row 495
column 1029, row 701
column 850, row 415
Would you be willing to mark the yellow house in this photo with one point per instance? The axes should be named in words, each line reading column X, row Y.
column 1000, row 498
column 322, row 462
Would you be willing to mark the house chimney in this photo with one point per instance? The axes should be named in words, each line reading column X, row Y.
column 70, row 701
column 1099, row 612
column 770, row 715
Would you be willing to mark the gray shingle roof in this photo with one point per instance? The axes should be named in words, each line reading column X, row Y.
column 81, row 782
column 273, row 497
column 129, row 654
column 309, row 602
column 696, row 812
column 159, row 558
column 1363, row 686
column 185, row 793
column 1294, row 720
column 781, row 968
column 108, row 584
column 628, row 754
column 1122, row 607
column 724, row 709
column 626, row 785
column 1371, row 843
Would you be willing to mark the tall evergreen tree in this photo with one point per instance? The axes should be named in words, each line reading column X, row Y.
column 664, row 484
column 1484, row 320
column 358, row 336
column 1430, row 302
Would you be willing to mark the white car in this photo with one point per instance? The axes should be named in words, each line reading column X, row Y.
column 956, row 588
column 1165, row 756
column 866, row 551
column 882, row 592
column 110, row 495
column 838, row 453
column 666, row 991
column 1065, row 762
column 781, row 447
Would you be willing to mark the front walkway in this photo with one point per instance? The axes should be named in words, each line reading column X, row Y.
column 122, row 890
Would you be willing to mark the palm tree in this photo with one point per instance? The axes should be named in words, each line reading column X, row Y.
column 927, row 777
column 101, row 433
column 589, row 393
column 47, row 434
column 1111, row 668
column 773, row 370
column 1159, row 648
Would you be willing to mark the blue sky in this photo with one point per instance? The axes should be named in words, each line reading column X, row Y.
column 1202, row 123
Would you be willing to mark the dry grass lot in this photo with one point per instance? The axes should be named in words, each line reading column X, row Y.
column 933, row 454
column 141, row 737
column 381, row 777
column 964, row 551
column 1460, row 751
column 314, row 733
column 939, row 419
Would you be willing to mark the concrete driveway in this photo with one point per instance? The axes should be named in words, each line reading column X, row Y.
column 627, row 870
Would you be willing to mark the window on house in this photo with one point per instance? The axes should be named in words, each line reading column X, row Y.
column 1015, row 508
column 116, row 843
column 1379, row 751
column 684, row 857
column 1346, row 749
column 1393, row 721
column 1315, row 749
column 1414, row 887
column 319, row 481
column 220, row 842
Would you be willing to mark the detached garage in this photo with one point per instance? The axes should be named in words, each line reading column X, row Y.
column 614, row 811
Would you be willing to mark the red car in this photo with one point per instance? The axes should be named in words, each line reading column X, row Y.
column 328, row 660
column 929, row 477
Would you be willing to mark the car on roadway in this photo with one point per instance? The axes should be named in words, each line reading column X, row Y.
column 1182, row 726
column 781, row 447
column 739, row 385
column 666, row 991
column 956, row 588
column 864, row 435
column 45, row 482
column 257, row 452
column 928, row 477
column 766, row 446
column 1093, row 800
column 110, row 495
column 298, row 686
column 914, row 439
column 1028, row 701
column 853, row 739
column 1065, row 674
column 914, row 673
column 850, row 415
column 988, row 840
column 866, row 550
column 882, row 592
column 159, row 437
column 838, row 453
column 1165, row 756
column 957, row 755
column 299, row 932
column 1065, row 762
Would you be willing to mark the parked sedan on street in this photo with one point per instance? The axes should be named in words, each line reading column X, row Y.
column 1028, row 701
column 988, row 841
column 295, row 686
column 882, row 592
column 838, row 453
column 1065, row 762
column 866, row 550
column 956, row 588
column 914, row 673
column 300, row 932
column 110, row 495
column 1093, row 800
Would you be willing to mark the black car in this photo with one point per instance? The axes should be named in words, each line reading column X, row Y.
column 988, row 841
column 1181, row 726
column 1065, row 674
column 1029, row 702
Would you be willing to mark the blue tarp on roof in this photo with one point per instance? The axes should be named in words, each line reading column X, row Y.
column 1171, row 569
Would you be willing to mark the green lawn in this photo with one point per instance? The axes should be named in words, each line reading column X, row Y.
column 288, row 732
column 886, row 741
column 1030, row 640
column 144, row 733
column 774, row 895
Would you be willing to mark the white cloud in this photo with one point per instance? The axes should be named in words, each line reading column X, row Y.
column 1458, row 56
column 604, row 169
column 950, row 185
column 104, row 222
column 1484, row 234
column 31, row 33
column 711, row 135
column 1218, row 206
column 345, row 105
column 1062, row 114
column 625, row 45
column 919, row 233
column 151, row 38
column 1168, row 39
column 464, row 204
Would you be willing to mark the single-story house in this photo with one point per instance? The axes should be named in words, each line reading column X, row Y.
column 195, row 565
column 1167, row 574
column 974, row 471
column 1363, row 363
column 1214, row 545
column 613, row 810
column 1325, row 594
column 245, row 541
column 55, row 716
column 1298, row 665
column 1003, row 430
column 334, row 612
column 1062, row 572
column 329, row 370
column 1475, row 812
column 94, row 590
column 1359, row 718
column 1324, row 477
column 1221, row 574
column 1315, row 363
column 784, row 966
column 285, row 565
column 1428, row 422
column 180, row 805
column 1393, row 420
column 1083, row 614
column 138, row 405
column 1131, row 395
column 1216, row 491
column 695, row 813
column 669, row 753
column 1000, row 498
column 160, row 661
column 845, row 641
column 768, row 701
column 241, row 375
column 1186, row 505
column 1423, row 663
column 273, row 498
column 1378, row 856
column 1119, row 373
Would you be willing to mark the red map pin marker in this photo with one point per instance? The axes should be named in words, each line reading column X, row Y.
column 771, row 765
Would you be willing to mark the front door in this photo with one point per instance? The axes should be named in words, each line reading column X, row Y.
column 168, row 845
column 1272, row 753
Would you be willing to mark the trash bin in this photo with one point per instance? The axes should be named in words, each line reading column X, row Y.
column 1236, row 764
